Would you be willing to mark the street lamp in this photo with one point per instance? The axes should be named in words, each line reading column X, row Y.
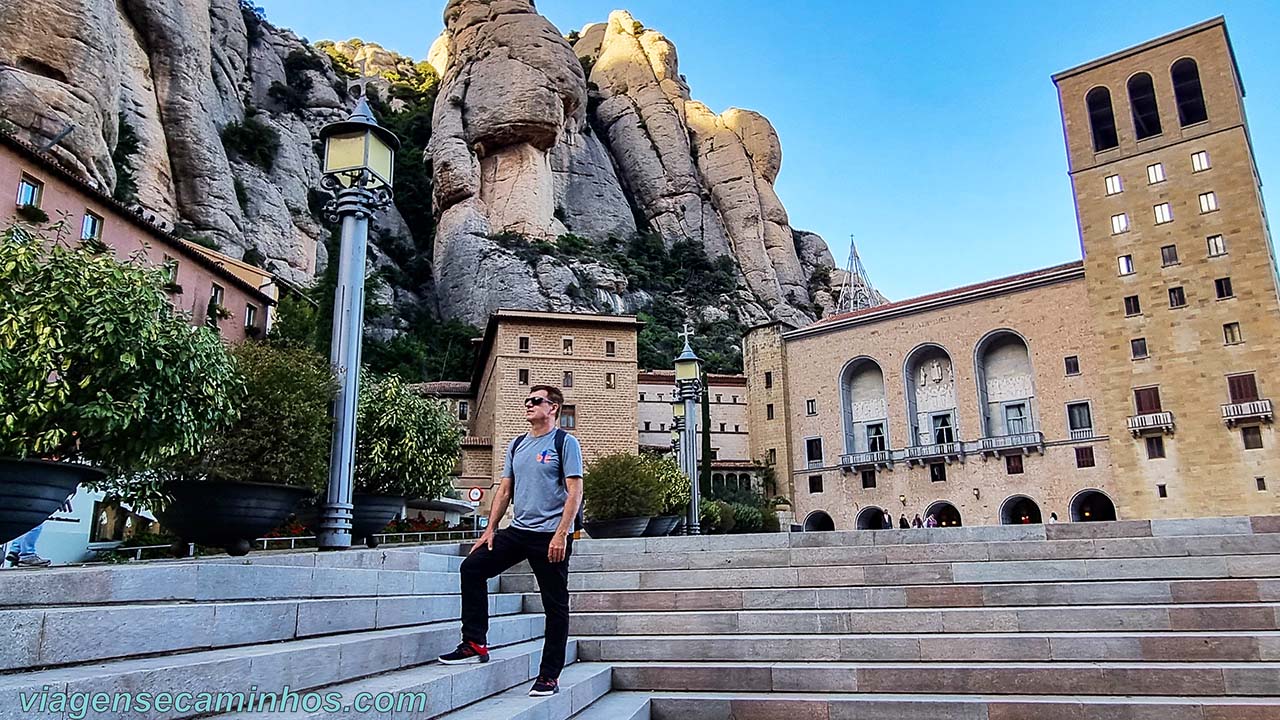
column 358, row 159
column 689, row 387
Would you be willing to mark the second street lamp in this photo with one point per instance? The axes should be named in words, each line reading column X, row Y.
column 689, row 387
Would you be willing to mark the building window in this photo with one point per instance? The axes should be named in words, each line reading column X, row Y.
column 1262, row 484
column 1163, row 213
column 1142, row 100
column 719, row 398
column 1084, row 457
column 524, row 343
column 1252, row 437
column 868, row 479
column 30, row 191
column 648, row 426
column 662, row 427
column 1187, row 93
column 1177, row 298
column 1162, row 490
column 942, row 430
column 1013, row 464
column 1200, row 161
column 938, row 472
column 768, row 380
column 1231, row 334
column 568, row 417
column 1114, row 186
column 610, row 348
column 250, row 316
column 170, row 265
column 737, row 428
column 1015, row 418
column 1125, row 264
column 813, row 451
column 1223, row 287
column 772, row 456
column 1147, row 400
column 464, row 410
column 641, row 397
column 1079, row 419
column 1217, row 245
column 1119, row 223
column 1208, row 202
column 523, row 375
column 811, row 406
column 1138, row 348
column 1102, row 120
column 610, row 381
column 1169, row 255
column 768, row 411
column 875, row 437
column 1073, row 364
column 567, row 345
column 1155, row 173
column 91, row 227
column 722, row 426
column 733, row 400
column 1155, row 447
column 815, row 484
column 1242, row 388
column 216, row 294
column 568, row 379
column 1132, row 306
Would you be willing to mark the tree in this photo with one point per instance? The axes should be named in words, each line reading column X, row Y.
column 406, row 444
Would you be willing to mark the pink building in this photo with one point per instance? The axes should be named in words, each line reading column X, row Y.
column 32, row 180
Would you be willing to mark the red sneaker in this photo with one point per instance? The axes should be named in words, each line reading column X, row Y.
column 466, row 652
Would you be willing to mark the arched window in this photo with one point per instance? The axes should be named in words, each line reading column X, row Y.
column 1142, row 100
column 1187, row 92
column 1101, row 120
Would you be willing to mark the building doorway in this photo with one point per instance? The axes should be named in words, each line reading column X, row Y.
column 945, row 513
column 1092, row 506
column 818, row 521
column 871, row 518
column 1020, row 510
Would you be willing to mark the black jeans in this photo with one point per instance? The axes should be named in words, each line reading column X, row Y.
column 510, row 546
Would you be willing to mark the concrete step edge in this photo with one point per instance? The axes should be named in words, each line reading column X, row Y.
column 580, row 685
column 618, row 705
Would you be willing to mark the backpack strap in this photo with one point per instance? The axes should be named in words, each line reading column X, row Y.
column 559, row 441
column 514, row 447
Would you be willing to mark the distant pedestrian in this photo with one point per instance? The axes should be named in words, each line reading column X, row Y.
column 886, row 522
column 22, row 551
column 1053, row 518
column 917, row 522
column 902, row 522
column 931, row 521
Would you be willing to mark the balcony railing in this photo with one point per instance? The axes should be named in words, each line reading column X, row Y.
column 1161, row 422
column 874, row 458
column 1233, row 413
column 923, row 453
column 1082, row 434
column 1019, row 442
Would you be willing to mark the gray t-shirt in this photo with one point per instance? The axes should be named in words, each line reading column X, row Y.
column 539, row 496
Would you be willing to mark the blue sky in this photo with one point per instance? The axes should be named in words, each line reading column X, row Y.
column 929, row 130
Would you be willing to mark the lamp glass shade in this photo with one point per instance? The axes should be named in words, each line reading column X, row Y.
column 677, row 409
column 345, row 151
column 381, row 159
column 686, row 369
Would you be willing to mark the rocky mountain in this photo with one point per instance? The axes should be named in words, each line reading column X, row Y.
column 540, row 170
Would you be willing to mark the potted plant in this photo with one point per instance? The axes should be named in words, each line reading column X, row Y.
column 620, row 494
column 253, row 472
column 675, row 495
column 406, row 448
column 95, row 368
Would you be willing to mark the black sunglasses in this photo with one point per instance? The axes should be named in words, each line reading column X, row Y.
column 534, row 401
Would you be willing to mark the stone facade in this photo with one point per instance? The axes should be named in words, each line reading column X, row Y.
column 1208, row 466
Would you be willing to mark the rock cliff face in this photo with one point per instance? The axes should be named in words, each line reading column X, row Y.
column 547, row 156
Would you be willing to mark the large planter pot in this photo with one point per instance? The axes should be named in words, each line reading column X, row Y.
column 661, row 526
column 370, row 515
column 227, row 514
column 32, row 490
column 619, row 528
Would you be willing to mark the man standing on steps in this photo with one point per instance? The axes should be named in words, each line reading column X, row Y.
column 543, row 473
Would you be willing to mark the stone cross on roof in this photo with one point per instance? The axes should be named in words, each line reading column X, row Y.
column 361, row 82
column 688, row 333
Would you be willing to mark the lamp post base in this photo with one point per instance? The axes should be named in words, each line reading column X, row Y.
column 335, row 527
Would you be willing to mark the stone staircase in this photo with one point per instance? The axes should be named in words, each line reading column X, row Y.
column 1170, row 619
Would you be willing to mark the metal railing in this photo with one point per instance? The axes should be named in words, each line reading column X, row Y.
column 1162, row 421
column 873, row 457
column 1082, row 434
column 1248, row 410
column 1016, row 440
column 915, row 452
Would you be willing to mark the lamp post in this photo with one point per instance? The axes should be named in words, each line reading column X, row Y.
column 689, row 387
column 358, row 159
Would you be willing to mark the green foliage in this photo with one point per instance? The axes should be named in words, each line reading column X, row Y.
column 342, row 65
column 406, row 444
column 282, row 435
column 252, row 141
column 288, row 96
column 621, row 486
column 254, row 257
column 127, row 146
column 184, row 231
column 32, row 214
column 747, row 518
column 242, row 194
column 299, row 61
column 708, row 516
column 95, row 365
column 295, row 322
column 675, row 484
column 728, row 518
column 430, row 350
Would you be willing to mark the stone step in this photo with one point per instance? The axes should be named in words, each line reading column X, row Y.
column 982, row 533
column 1081, row 679
column 213, row 581
column 621, row 706
column 425, row 691
column 928, row 596
column 1236, row 646
column 298, row 664
column 1008, row 619
column 394, row 558
column 1184, row 546
column 60, row 636
column 580, row 685
column 843, row 706
column 931, row 573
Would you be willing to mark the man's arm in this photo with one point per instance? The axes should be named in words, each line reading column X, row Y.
column 556, row 550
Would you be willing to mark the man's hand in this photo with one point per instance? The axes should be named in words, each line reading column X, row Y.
column 485, row 538
column 555, row 551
